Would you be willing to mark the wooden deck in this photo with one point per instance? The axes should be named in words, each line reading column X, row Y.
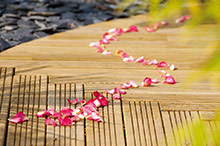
column 43, row 73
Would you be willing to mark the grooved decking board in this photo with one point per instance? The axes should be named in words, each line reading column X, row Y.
column 147, row 124
column 29, row 96
column 6, row 81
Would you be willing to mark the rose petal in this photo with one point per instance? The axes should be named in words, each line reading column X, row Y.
column 118, row 52
column 140, row 60
column 82, row 101
column 133, row 84
column 116, row 96
column 66, row 111
column 128, row 59
column 50, row 122
column 145, row 62
column 66, row 121
column 75, row 118
column 48, row 112
column 149, row 29
column 162, row 64
column 172, row 67
column 131, row 28
column 101, row 98
column 106, row 52
column 163, row 23
column 111, row 92
column 94, row 117
column 125, row 86
column 154, row 81
column 18, row 118
column 121, row 91
column 156, row 26
column 96, row 44
column 162, row 71
column 147, row 82
column 153, row 62
column 73, row 102
column 169, row 80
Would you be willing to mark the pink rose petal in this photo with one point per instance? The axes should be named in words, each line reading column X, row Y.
column 116, row 96
column 121, row 91
column 163, row 23
column 154, row 81
column 172, row 67
column 129, row 59
column 95, row 117
column 169, row 80
column 101, row 99
column 66, row 121
column 133, row 84
column 149, row 29
column 50, row 122
column 147, row 82
column 106, row 52
column 73, row 102
column 111, row 92
column 66, row 111
column 162, row 64
column 140, row 60
column 162, row 71
column 153, row 62
column 82, row 101
column 156, row 26
column 18, row 118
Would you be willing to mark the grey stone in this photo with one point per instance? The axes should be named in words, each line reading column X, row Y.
column 40, row 34
column 10, row 27
column 41, row 18
column 23, row 7
column 52, row 18
column 3, row 44
column 26, row 24
column 68, row 15
column 9, row 15
column 44, row 13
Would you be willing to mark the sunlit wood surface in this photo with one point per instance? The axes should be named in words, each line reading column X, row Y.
column 43, row 73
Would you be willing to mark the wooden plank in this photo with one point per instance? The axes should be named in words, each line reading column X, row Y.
column 29, row 96
column 159, row 125
column 131, row 139
column 168, row 128
column 6, row 81
column 175, row 128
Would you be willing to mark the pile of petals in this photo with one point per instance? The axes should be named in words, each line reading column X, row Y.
column 116, row 93
column 67, row 116
column 18, row 118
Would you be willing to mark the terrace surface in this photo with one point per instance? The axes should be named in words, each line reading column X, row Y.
column 43, row 73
